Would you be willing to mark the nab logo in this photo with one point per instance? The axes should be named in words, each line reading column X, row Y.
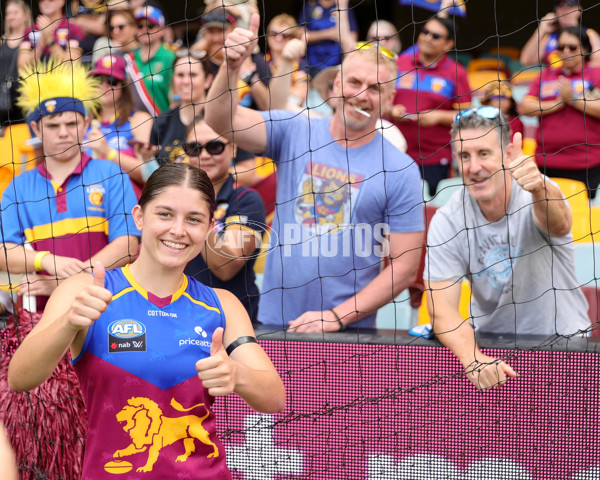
column 126, row 336
column 126, row 328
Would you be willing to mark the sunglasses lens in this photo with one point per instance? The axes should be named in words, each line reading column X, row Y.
column 215, row 147
column 192, row 149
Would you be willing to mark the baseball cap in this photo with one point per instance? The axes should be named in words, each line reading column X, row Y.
column 110, row 65
column 151, row 14
column 218, row 17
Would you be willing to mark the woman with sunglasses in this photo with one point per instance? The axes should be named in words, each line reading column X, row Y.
column 228, row 259
column 121, row 37
column 565, row 102
column 151, row 347
column 118, row 127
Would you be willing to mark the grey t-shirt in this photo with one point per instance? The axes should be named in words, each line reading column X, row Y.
column 522, row 281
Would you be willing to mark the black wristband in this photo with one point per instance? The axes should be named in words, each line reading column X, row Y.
column 339, row 320
column 240, row 341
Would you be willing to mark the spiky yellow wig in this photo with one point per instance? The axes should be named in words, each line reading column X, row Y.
column 58, row 86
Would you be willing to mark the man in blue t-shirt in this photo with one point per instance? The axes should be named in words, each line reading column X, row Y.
column 346, row 200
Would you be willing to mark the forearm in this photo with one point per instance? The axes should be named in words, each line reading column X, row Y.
column 281, row 85
column 227, row 256
column 260, row 94
column 551, row 212
column 588, row 107
column 17, row 259
column 532, row 52
column 380, row 291
column 262, row 390
column 531, row 107
column 455, row 333
column 39, row 354
column 314, row 36
column 121, row 251
column 221, row 102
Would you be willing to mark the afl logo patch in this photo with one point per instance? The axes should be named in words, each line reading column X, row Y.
column 126, row 335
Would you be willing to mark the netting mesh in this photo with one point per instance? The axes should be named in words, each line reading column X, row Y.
column 362, row 408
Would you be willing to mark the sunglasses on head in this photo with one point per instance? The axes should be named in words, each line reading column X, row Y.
column 568, row 48
column 386, row 52
column 194, row 149
column 434, row 35
column 484, row 112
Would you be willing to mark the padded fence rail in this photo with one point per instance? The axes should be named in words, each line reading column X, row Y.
column 407, row 412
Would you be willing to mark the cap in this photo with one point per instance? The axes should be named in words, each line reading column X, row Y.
column 110, row 65
column 152, row 14
column 324, row 79
column 496, row 90
column 218, row 17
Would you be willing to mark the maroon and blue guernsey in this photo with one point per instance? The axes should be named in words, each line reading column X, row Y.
column 149, row 415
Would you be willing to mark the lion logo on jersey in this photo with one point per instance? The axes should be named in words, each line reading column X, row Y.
column 150, row 430
column 325, row 197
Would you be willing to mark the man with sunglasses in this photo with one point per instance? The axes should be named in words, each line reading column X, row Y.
column 346, row 198
column 150, row 66
column 430, row 90
column 508, row 233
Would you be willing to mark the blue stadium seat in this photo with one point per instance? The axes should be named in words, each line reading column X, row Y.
column 445, row 190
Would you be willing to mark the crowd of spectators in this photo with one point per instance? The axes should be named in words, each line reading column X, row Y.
column 354, row 129
column 155, row 90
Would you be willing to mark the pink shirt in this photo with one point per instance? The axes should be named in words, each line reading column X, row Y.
column 567, row 139
column 443, row 86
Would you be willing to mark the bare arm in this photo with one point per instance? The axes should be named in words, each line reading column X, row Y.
column 534, row 107
column 533, row 51
column 17, row 259
column 281, row 82
column 248, row 371
column 456, row 334
column 405, row 254
column 551, row 212
column 72, row 308
column 226, row 255
column 121, row 251
column 222, row 112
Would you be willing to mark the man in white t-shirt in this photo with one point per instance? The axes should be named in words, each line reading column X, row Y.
column 508, row 233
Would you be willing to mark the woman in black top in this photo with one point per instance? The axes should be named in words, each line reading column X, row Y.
column 17, row 19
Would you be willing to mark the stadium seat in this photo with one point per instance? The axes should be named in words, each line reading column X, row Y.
column 486, row 64
column 445, row 190
column 574, row 191
column 479, row 80
column 463, row 305
column 529, row 146
column 426, row 191
column 514, row 53
column 17, row 155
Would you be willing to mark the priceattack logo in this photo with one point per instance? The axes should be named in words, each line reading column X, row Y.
column 126, row 335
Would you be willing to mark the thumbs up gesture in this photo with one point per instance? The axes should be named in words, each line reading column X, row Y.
column 523, row 168
column 90, row 302
column 217, row 372
column 240, row 43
